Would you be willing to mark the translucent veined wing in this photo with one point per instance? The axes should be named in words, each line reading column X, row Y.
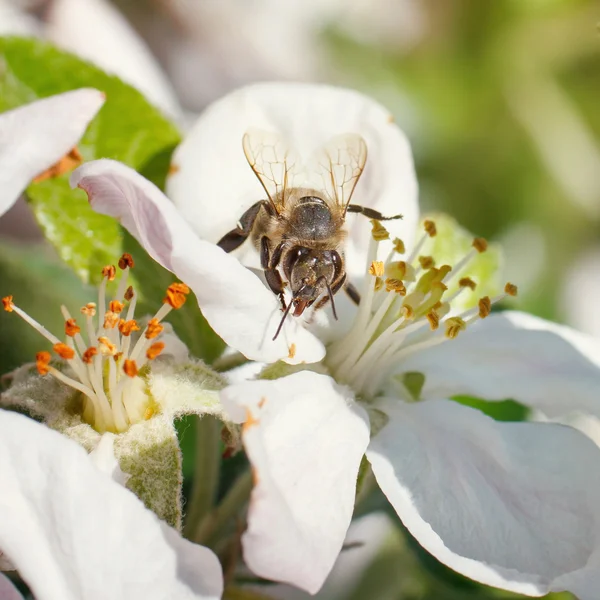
column 339, row 165
column 273, row 163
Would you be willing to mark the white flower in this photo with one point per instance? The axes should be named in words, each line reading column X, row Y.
column 36, row 136
column 510, row 505
column 74, row 533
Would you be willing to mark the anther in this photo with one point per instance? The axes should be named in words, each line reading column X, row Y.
column 426, row 262
column 154, row 350
column 130, row 368
column 109, row 271
column 378, row 284
column 395, row 285
column 434, row 319
column 7, row 303
column 71, row 328
column 176, row 295
column 89, row 310
column 128, row 327
column 485, row 307
column 430, row 228
column 467, row 282
column 480, row 244
column 89, row 354
column 110, row 320
column 129, row 293
column 510, row 289
column 64, row 351
column 377, row 268
column 454, row 325
column 378, row 231
column 42, row 360
column 153, row 329
column 399, row 246
column 116, row 306
column 407, row 311
column 126, row 261
column 107, row 347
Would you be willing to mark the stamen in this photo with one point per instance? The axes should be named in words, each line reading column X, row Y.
column 109, row 272
column 454, row 325
column 42, row 360
column 480, row 244
column 378, row 231
column 154, row 350
column 378, row 284
column 111, row 320
column 511, row 289
column 399, row 246
column 130, row 368
column 128, row 327
column 430, row 228
column 71, row 328
column 116, row 307
column 153, row 329
column 129, row 293
column 467, row 282
column 31, row 321
column 176, row 295
column 89, row 354
column 126, row 262
column 107, row 348
column 7, row 303
column 434, row 320
column 395, row 285
column 426, row 262
column 377, row 268
column 485, row 307
column 64, row 351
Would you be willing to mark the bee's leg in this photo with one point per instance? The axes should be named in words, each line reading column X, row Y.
column 352, row 293
column 236, row 237
column 370, row 213
column 271, row 273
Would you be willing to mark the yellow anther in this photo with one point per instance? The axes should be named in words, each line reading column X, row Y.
column 89, row 354
column 399, row 246
column 485, row 307
column 107, row 347
column 42, row 360
column 292, row 350
column 129, row 293
column 7, row 303
column 510, row 289
column 378, row 285
column 153, row 329
column 109, row 272
column 430, row 228
column 176, row 295
column 110, row 320
column 155, row 350
column 407, row 311
column 426, row 262
column 126, row 261
column 64, row 351
column 434, row 319
column 116, row 306
column 395, row 285
column 71, row 328
column 480, row 244
column 148, row 413
column 130, row 368
column 454, row 325
column 89, row 310
column 467, row 282
column 377, row 268
column 378, row 231
column 443, row 271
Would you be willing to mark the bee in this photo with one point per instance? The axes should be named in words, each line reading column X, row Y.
column 299, row 230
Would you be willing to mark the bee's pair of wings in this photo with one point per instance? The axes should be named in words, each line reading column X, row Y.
column 334, row 169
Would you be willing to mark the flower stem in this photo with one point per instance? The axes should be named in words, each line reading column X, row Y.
column 207, row 466
column 214, row 524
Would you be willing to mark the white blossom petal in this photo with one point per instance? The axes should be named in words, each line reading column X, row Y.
column 7, row 590
column 305, row 438
column 212, row 183
column 35, row 136
column 233, row 300
column 103, row 457
column 74, row 533
column 514, row 355
column 513, row 505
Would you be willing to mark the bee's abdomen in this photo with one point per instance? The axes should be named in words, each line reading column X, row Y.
column 311, row 219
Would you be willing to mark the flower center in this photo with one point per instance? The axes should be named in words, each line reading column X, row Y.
column 104, row 365
column 405, row 307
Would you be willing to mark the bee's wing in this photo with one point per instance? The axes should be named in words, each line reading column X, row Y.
column 339, row 164
column 273, row 163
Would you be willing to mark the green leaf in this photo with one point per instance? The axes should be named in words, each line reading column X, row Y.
column 127, row 128
column 505, row 410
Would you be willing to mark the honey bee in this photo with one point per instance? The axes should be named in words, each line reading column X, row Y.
column 300, row 228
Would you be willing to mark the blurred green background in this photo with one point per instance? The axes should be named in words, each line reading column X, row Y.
column 499, row 98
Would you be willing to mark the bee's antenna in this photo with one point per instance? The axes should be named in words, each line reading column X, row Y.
column 331, row 298
column 285, row 314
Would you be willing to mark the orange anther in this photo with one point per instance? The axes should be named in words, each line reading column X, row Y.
column 107, row 347
column 129, row 293
column 109, row 271
column 42, row 360
column 153, row 329
column 71, row 327
column 89, row 310
column 116, row 306
column 7, row 302
column 69, row 161
column 111, row 320
column 126, row 261
column 155, row 350
column 128, row 327
column 89, row 354
column 480, row 244
column 130, row 368
column 176, row 295
column 64, row 351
